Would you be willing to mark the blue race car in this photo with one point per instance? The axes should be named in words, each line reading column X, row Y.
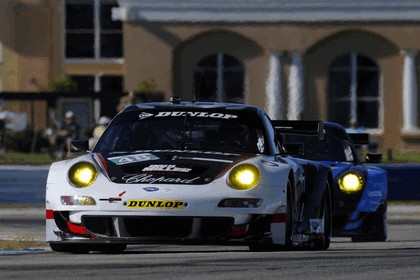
column 360, row 189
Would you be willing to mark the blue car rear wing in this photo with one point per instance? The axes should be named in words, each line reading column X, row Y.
column 359, row 138
column 308, row 128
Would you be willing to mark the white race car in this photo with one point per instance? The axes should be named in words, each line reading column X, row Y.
column 188, row 173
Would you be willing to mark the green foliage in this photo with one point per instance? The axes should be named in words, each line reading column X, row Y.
column 25, row 158
column 406, row 157
column 146, row 85
column 20, row 244
column 62, row 83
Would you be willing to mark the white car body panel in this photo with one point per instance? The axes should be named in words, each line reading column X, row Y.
column 202, row 199
column 165, row 176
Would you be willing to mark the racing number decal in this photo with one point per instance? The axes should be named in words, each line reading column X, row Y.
column 167, row 204
column 133, row 158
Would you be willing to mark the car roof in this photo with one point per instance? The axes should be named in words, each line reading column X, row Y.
column 334, row 125
column 337, row 130
column 191, row 105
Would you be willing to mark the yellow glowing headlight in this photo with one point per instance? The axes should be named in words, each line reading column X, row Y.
column 82, row 174
column 244, row 176
column 351, row 182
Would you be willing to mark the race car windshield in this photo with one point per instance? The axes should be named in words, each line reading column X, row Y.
column 134, row 131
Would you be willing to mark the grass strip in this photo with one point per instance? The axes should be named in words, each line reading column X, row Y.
column 20, row 243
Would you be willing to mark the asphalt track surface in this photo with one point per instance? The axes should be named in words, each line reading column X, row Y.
column 397, row 258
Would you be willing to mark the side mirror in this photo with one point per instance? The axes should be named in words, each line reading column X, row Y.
column 293, row 148
column 373, row 158
column 79, row 146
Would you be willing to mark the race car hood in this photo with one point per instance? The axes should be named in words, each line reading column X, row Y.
column 168, row 167
column 339, row 168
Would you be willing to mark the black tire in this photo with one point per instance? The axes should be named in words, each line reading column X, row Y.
column 263, row 247
column 380, row 224
column 290, row 216
column 376, row 227
column 323, row 241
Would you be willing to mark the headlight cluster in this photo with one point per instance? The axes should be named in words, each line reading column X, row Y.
column 82, row 174
column 351, row 182
column 244, row 177
column 77, row 200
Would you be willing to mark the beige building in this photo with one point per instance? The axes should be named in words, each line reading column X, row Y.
column 353, row 62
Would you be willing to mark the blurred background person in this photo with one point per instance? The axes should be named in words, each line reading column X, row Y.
column 98, row 130
column 68, row 131
column 5, row 117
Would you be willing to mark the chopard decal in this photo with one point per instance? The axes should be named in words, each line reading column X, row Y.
column 166, row 168
column 197, row 114
column 173, row 204
column 150, row 179
column 121, row 160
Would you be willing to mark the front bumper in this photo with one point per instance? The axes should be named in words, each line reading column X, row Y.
column 156, row 229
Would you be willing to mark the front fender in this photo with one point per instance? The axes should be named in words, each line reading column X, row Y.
column 375, row 191
column 317, row 176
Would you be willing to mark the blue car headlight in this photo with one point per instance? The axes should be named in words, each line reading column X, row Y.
column 351, row 182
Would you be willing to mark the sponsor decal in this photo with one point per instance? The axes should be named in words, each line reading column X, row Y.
column 151, row 179
column 151, row 189
column 144, row 115
column 375, row 193
column 196, row 114
column 207, row 159
column 121, row 160
column 192, row 152
column 166, row 168
column 111, row 199
column 316, row 225
column 270, row 163
column 261, row 144
column 168, row 204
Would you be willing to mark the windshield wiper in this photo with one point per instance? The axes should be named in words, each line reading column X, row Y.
column 124, row 152
column 184, row 133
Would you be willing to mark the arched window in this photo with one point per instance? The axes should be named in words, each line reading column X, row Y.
column 353, row 91
column 219, row 77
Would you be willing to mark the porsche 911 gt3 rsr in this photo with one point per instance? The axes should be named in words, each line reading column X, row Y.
column 360, row 190
column 187, row 172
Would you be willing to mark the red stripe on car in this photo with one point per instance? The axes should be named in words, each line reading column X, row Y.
column 279, row 218
column 102, row 162
column 49, row 214
column 76, row 229
column 238, row 231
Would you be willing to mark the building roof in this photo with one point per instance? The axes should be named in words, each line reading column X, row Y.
column 267, row 10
